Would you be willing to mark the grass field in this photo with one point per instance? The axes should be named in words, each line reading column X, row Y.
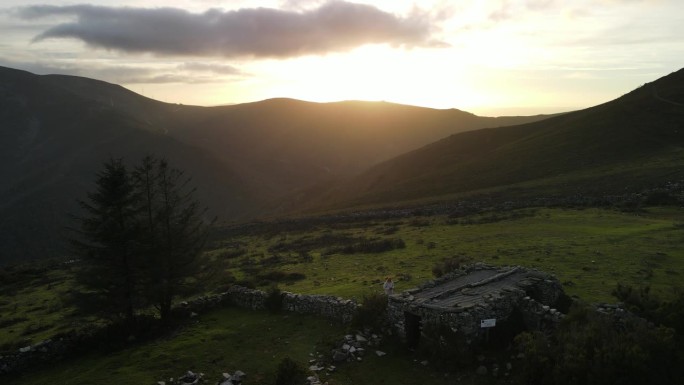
column 589, row 250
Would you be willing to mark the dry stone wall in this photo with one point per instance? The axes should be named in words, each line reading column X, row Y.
column 53, row 350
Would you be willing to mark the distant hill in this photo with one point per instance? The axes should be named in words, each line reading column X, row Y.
column 53, row 141
column 633, row 142
column 284, row 145
column 57, row 131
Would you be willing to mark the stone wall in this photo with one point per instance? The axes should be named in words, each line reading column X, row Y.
column 533, row 303
column 52, row 350
column 334, row 308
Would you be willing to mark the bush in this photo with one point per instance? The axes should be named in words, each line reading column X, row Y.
column 232, row 253
column 590, row 348
column 373, row 246
column 290, row 373
column 304, row 257
column 372, row 313
column 274, row 300
column 447, row 265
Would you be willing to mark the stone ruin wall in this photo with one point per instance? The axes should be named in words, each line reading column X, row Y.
column 536, row 308
column 53, row 350
column 331, row 307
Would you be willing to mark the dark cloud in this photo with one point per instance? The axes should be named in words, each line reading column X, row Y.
column 186, row 73
column 251, row 32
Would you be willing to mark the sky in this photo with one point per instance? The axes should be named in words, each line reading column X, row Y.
column 489, row 57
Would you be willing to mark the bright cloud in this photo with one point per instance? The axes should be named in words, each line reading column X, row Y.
column 487, row 57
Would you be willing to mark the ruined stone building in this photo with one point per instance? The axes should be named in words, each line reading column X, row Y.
column 477, row 302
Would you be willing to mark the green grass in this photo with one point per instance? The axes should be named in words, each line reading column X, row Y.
column 589, row 250
column 34, row 305
column 230, row 339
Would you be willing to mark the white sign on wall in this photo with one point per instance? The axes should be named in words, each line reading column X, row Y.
column 488, row 323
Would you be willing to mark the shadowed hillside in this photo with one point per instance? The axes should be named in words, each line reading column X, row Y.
column 633, row 142
column 57, row 130
column 53, row 141
column 283, row 145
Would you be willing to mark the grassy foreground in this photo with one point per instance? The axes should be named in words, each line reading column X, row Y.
column 230, row 339
column 589, row 250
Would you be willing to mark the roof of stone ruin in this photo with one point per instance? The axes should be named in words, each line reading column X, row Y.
column 477, row 286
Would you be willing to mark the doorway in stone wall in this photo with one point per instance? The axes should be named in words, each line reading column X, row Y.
column 412, row 326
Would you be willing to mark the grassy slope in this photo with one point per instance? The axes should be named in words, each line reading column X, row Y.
column 584, row 147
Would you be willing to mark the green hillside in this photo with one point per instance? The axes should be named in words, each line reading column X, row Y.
column 633, row 142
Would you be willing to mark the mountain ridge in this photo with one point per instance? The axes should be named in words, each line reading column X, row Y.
column 636, row 128
column 59, row 129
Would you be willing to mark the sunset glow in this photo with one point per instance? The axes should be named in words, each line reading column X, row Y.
column 497, row 57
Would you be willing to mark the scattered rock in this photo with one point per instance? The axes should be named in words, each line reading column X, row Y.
column 339, row 355
column 189, row 378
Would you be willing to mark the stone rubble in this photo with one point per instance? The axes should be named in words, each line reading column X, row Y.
column 191, row 378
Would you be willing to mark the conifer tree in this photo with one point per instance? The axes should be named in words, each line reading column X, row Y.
column 140, row 238
column 107, row 244
column 174, row 230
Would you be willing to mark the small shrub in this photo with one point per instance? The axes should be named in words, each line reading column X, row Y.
column 232, row 253
column 248, row 283
column 279, row 276
column 290, row 373
column 389, row 230
column 304, row 257
column 419, row 222
column 11, row 321
column 448, row 265
column 372, row 313
column 273, row 260
column 274, row 299
column 590, row 348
